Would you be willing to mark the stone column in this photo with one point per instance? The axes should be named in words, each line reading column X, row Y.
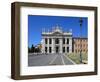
column 43, row 45
column 53, row 45
column 70, row 45
column 60, row 45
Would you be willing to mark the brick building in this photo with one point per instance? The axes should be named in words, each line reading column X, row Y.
column 80, row 44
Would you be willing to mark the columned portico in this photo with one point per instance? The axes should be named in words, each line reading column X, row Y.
column 56, row 41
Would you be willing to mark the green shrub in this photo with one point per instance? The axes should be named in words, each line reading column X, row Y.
column 76, row 57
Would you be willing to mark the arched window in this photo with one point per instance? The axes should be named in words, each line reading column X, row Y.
column 67, row 41
column 50, row 49
column 56, row 41
column 50, row 41
column 63, row 49
column 63, row 40
column 46, row 49
column 46, row 40
column 68, row 49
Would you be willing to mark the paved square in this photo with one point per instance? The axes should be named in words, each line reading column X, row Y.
column 48, row 59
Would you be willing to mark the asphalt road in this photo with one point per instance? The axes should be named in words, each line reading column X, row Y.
column 49, row 59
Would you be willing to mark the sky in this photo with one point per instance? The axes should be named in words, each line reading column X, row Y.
column 37, row 23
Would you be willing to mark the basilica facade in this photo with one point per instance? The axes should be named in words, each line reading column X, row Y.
column 56, row 41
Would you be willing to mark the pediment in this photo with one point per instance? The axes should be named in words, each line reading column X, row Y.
column 57, row 33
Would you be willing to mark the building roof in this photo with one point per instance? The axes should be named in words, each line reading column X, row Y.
column 56, row 30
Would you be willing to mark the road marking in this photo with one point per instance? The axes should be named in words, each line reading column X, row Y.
column 69, row 59
column 62, row 60
column 53, row 59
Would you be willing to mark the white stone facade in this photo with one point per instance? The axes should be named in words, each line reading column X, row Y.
column 56, row 41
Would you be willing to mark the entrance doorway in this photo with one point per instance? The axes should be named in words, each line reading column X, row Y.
column 57, row 49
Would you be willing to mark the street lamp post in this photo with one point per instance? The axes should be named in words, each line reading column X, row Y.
column 81, row 21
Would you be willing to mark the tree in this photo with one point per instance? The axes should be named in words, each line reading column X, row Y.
column 32, row 48
column 29, row 50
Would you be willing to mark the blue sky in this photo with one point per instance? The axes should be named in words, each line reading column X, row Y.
column 37, row 23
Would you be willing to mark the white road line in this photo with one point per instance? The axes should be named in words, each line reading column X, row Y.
column 62, row 60
column 69, row 59
column 53, row 59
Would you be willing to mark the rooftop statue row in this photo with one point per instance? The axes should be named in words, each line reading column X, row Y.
column 56, row 29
